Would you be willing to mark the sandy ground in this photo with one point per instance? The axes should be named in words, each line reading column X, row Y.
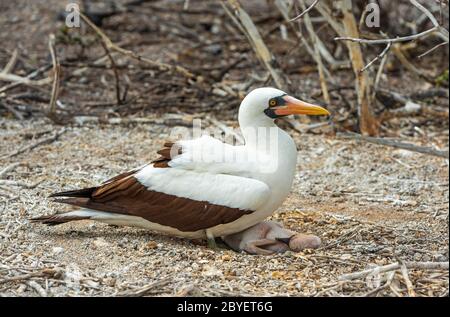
column 371, row 205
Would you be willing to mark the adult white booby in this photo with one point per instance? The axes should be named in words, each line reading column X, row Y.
column 203, row 187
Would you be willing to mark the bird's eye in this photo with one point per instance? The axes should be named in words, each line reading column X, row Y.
column 272, row 102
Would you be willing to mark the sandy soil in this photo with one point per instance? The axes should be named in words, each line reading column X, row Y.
column 370, row 205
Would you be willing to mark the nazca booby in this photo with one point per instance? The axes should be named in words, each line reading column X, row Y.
column 203, row 188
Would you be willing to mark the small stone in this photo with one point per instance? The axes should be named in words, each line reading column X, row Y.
column 57, row 250
column 100, row 243
column 151, row 245
column 211, row 271
column 226, row 257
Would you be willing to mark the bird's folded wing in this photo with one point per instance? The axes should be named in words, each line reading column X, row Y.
column 182, row 199
column 207, row 154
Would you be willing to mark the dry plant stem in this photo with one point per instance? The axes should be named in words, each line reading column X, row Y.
column 386, row 41
column 56, row 74
column 313, row 35
column 11, row 109
column 27, row 80
column 436, row 28
column 305, row 11
column 44, row 272
column 433, row 20
column 11, row 63
column 34, row 145
column 116, row 73
column 408, row 65
column 396, row 144
column 9, row 168
column 395, row 266
column 257, row 43
column 367, row 123
column 111, row 46
column 432, row 49
column 142, row 291
column 379, row 74
column 409, row 284
column 381, row 55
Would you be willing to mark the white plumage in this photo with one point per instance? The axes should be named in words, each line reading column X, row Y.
column 255, row 177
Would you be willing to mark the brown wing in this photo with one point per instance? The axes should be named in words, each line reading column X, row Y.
column 124, row 194
column 128, row 196
column 169, row 150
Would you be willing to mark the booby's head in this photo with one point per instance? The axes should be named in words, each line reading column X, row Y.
column 263, row 105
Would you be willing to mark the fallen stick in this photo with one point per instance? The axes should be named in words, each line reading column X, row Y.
column 34, row 145
column 396, row 144
column 143, row 290
column 30, row 76
column 10, row 182
column 110, row 45
column 116, row 73
column 304, row 12
column 44, row 272
column 11, row 63
column 409, row 284
column 11, row 109
column 315, row 41
column 395, row 266
column 9, row 168
column 256, row 41
column 56, row 74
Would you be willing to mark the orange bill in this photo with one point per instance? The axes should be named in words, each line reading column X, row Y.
column 295, row 106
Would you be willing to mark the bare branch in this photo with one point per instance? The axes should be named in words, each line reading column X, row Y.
column 396, row 144
column 432, row 49
column 56, row 74
column 381, row 55
column 304, row 12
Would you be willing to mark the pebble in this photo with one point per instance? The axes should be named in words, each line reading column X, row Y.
column 100, row 243
column 57, row 250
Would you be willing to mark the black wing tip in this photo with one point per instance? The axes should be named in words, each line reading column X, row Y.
column 84, row 193
column 56, row 219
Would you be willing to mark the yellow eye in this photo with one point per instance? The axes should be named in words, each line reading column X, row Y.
column 272, row 102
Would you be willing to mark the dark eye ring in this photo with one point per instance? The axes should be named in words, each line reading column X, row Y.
column 272, row 102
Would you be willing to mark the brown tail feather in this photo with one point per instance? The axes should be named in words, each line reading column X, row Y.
column 57, row 219
column 85, row 193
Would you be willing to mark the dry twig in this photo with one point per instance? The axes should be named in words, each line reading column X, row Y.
column 36, row 144
column 56, row 74
column 396, row 144
column 305, row 11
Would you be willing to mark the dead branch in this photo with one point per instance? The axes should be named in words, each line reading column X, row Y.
column 396, row 144
column 110, row 45
column 381, row 55
column 34, row 145
column 56, row 74
column 305, row 11
column 27, row 80
column 395, row 266
column 9, row 168
column 368, row 124
column 11, row 63
column 256, row 41
column 144, row 290
column 436, row 28
column 409, row 284
column 314, row 38
column 116, row 73
column 432, row 49
column 11, row 109
column 44, row 272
